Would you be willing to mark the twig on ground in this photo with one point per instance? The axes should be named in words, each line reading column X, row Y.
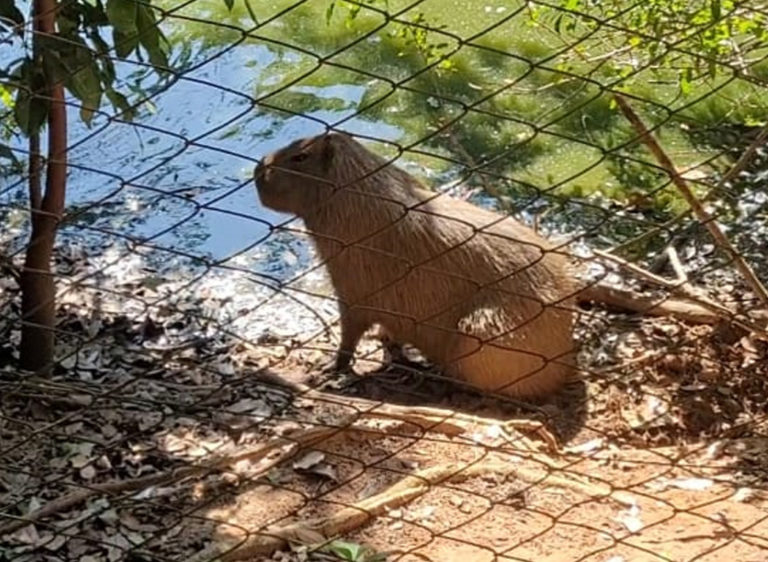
column 687, row 292
column 431, row 419
column 677, row 266
column 625, row 299
column 320, row 530
column 444, row 421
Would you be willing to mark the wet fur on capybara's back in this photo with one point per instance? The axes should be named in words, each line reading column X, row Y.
column 479, row 294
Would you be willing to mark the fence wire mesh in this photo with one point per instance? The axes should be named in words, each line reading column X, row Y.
column 188, row 416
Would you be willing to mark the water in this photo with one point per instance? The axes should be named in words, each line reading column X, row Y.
column 171, row 196
column 180, row 176
column 173, row 191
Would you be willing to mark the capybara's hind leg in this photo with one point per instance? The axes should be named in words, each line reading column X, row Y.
column 493, row 355
column 394, row 353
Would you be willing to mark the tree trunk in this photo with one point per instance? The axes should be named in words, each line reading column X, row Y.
column 38, row 290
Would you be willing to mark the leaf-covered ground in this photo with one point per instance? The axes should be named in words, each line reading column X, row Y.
column 162, row 367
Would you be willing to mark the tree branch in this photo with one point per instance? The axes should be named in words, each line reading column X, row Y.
column 698, row 209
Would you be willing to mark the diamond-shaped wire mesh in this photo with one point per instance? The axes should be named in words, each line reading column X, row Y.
column 187, row 416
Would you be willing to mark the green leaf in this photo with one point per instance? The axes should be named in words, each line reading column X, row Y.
column 251, row 13
column 54, row 67
column 101, row 45
column 716, row 9
column 229, row 4
column 685, row 81
column 150, row 37
column 7, row 153
column 30, row 112
column 76, row 65
column 125, row 43
column 86, row 86
column 349, row 551
column 558, row 22
column 122, row 14
column 9, row 11
column 121, row 105
column 5, row 96
column 94, row 14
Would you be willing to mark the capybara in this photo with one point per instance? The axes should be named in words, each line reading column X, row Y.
column 479, row 294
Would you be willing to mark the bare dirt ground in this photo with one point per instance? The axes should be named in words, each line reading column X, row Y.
column 662, row 448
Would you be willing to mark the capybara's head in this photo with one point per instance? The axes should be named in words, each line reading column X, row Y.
column 297, row 178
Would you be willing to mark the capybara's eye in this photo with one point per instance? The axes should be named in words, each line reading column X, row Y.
column 300, row 157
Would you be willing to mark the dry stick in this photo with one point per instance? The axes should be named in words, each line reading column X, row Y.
column 444, row 421
column 320, row 530
column 661, row 281
column 721, row 311
column 448, row 422
column 701, row 214
column 677, row 267
column 624, row 299
column 306, row 438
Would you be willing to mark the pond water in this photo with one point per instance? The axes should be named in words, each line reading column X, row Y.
column 180, row 176
column 172, row 192
column 176, row 185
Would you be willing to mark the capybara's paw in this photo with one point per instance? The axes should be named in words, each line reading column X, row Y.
column 342, row 363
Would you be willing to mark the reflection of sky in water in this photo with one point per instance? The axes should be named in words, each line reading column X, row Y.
column 181, row 175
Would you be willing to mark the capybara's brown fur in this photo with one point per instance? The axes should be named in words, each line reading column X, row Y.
column 479, row 294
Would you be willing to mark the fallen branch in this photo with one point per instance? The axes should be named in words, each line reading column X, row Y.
column 624, row 299
column 447, row 422
column 431, row 419
column 304, row 439
column 697, row 208
column 679, row 308
column 320, row 530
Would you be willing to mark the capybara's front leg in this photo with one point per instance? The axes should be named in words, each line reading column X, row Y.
column 353, row 326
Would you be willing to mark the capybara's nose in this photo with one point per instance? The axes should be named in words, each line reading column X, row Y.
column 258, row 172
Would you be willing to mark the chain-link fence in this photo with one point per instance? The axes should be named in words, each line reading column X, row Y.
column 494, row 293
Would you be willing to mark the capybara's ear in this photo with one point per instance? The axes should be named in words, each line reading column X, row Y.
column 328, row 147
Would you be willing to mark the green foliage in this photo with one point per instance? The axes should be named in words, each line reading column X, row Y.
column 352, row 9
column 691, row 37
column 527, row 93
column 10, row 15
column 6, row 111
column 353, row 552
column 29, row 111
column 79, row 57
